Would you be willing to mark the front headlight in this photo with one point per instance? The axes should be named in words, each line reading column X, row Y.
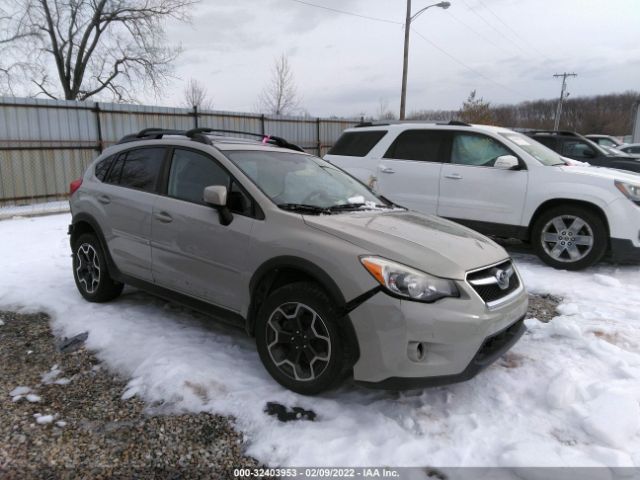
column 629, row 190
column 406, row 282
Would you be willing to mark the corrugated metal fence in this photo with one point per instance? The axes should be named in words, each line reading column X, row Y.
column 45, row 144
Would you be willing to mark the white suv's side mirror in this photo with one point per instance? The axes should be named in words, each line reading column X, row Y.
column 507, row 162
column 215, row 195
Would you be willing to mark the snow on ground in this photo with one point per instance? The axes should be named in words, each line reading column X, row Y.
column 33, row 209
column 569, row 394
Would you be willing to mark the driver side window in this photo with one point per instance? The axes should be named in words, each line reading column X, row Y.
column 476, row 150
column 191, row 172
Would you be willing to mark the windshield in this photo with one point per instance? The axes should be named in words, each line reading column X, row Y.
column 543, row 154
column 296, row 180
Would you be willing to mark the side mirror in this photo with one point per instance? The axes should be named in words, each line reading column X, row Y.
column 588, row 153
column 507, row 162
column 216, row 196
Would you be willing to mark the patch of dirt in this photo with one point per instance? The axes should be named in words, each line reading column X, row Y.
column 512, row 360
column 543, row 307
column 81, row 428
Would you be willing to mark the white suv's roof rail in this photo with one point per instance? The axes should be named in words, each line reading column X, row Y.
column 400, row 122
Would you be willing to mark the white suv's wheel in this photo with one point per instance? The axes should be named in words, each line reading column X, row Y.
column 570, row 237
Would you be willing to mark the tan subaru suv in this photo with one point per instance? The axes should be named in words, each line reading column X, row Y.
column 330, row 278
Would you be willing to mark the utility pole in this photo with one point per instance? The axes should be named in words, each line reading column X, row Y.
column 405, row 64
column 563, row 95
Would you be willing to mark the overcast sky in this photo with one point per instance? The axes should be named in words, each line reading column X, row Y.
column 346, row 65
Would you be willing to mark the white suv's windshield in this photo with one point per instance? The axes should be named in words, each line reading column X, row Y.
column 304, row 182
column 543, row 154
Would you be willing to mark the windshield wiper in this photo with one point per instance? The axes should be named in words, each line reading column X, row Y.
column 302, row 207
column 356, row 206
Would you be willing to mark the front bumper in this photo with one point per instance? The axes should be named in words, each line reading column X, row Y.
column 492, row 348
column 458, row 337
column 623, row 217
column 624, row 251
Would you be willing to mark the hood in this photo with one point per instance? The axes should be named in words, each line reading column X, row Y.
column 425, row 242
column 603, row 172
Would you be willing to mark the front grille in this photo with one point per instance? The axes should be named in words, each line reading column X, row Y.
column 485, row 282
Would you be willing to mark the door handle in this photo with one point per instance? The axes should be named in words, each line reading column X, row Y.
column 387, row 170
column 454, row 176
column 164, row 217
column 104, row 199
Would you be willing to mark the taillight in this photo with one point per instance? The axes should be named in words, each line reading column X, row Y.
column 75, row 185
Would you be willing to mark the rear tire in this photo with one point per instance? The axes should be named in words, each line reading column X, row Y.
column 299, row 339
column 570, row 237
column 90, row 270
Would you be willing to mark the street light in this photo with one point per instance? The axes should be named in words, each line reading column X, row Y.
column 405, row 64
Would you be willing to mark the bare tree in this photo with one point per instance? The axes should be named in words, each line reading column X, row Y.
column 384, row 113
column 196, row 95
column 75, row 49
column 476, row 110
column 280, row 95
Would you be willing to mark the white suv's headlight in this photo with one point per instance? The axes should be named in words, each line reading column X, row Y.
column 631, row 191
column 407, row 282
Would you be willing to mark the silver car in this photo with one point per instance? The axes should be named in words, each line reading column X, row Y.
column 331, row 279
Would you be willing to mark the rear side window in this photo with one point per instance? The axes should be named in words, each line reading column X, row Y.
column 102, row 167
column 139, row 168
column 423, row 145
column 357, row 144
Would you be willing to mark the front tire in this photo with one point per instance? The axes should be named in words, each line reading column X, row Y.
column 299, row 340
column 570, row 237
column 90, row 270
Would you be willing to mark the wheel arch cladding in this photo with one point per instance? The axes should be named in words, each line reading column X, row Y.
column 560, row 202
column 284, row 270
column 84, row 223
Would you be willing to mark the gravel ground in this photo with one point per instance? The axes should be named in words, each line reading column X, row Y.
column 95, row 434
column 543, row 307
column 101, row 435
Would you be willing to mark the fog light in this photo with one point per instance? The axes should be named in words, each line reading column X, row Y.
column 416, row 351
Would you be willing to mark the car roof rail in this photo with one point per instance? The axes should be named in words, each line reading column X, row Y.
column 149, row 134
column 270, row 139
column 555, row 132
column 371, row 124
column 200, row 135
column 457, row 123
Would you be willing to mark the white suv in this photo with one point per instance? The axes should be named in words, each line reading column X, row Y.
column 501, row 183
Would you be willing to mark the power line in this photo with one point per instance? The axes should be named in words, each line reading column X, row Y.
column 531, row 45
column 494, row 28
column 335, row 10
column 487, row 39
column 430, row 42
column 471, row 69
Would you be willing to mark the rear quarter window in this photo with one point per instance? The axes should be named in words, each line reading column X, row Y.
column 102, row 167
column 357, row 144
